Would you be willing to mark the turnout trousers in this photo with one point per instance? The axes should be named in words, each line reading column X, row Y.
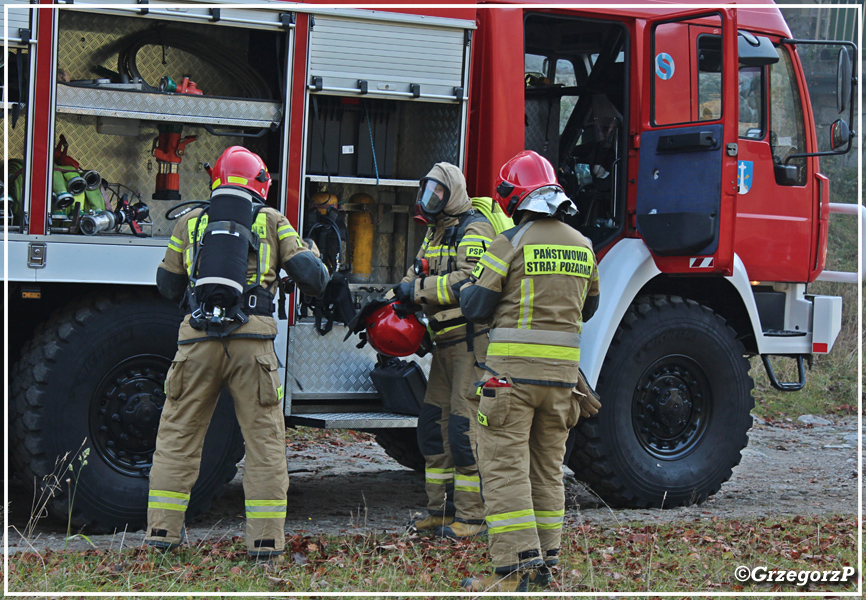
column 521, row 443
column 446, row 430
column 198, row 373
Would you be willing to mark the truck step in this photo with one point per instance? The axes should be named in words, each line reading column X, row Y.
column 371, row 420
column 783, row 333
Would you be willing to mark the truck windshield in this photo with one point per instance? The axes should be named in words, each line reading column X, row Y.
column 787, row 132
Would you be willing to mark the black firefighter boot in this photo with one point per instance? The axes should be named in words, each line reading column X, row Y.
column 541, row 577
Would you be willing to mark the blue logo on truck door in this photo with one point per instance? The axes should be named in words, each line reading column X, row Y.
column 664, row 65
column 744, row 176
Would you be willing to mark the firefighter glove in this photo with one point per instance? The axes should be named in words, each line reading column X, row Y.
column 587, row 397
column 405, row 292
column 588, row 406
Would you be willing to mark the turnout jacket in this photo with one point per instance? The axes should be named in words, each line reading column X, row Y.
column 534, row 280
column 279, row 245
column 449, row 265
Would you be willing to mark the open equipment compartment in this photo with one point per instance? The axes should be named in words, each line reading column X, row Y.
column 114, row 107
column 387, row 99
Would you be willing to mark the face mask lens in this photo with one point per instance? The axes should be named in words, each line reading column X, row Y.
column 432, row 197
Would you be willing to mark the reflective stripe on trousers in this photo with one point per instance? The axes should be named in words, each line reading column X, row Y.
column 511, row 521
column 549, row 519
column 439, row 476
column 266, row 509
column 167, row 500
column 467, row 483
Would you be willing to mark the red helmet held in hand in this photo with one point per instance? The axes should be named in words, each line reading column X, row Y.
column 528, row 182
column 239, row 167
column 393, row 331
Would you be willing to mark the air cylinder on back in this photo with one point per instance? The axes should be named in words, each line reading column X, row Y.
column 224, row 254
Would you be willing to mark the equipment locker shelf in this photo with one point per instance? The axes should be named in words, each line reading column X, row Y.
column 230, row 112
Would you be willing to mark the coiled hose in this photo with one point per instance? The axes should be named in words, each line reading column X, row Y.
column 248, row 81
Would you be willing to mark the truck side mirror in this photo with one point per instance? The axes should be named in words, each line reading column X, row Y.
column 839, row 134
column 755, row 51
column 843, row 80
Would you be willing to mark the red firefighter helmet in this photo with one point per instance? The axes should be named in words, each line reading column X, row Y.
column 239, row 167
column 393, row 331
column 525, row 173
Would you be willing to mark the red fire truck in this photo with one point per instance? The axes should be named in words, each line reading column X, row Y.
column 685, row 137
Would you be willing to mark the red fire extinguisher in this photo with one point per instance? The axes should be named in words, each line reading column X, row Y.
column 168, row 149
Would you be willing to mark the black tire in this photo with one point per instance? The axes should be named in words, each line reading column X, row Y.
column 676, row 402
column 402, row 446
column 96, row 370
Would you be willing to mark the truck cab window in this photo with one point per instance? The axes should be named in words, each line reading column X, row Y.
column 751, row 90
column 709, row 77
column 787, row 133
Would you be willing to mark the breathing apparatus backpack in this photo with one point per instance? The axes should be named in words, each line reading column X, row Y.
column 482, row 208
column 219, row 295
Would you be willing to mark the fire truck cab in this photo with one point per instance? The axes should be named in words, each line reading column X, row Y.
column 684, row 136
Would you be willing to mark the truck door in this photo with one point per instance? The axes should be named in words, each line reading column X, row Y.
column 686, row 188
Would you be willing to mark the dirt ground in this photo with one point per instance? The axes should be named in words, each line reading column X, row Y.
column 339, row 486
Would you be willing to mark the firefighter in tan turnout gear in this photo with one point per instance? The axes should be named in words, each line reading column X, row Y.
column 457, row 237
column 223, row 261
column 538, row 282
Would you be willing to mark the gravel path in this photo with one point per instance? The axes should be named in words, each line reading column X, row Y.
column 337, row 487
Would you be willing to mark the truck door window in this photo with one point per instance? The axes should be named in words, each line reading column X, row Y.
column 709, row 77
column 686, row 75
column 751, row 86
column 787, row 133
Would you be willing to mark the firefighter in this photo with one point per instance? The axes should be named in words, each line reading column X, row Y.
column 539, row 282
column 457, row 236
column 242, row 359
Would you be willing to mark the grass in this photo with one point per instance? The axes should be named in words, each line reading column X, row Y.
column 679, row 557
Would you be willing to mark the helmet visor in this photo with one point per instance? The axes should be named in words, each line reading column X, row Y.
column 432, row 197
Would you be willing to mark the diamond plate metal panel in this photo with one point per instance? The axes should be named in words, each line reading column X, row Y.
column 233, row 112
column 325, row 364
column 429, row 133
column 355, row 420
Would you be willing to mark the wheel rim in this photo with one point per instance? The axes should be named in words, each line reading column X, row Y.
column 125, row 411
column 671, row 407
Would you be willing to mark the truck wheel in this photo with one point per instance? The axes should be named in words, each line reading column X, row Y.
column 676, row 401
column 92, row 377
column 402, row 446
